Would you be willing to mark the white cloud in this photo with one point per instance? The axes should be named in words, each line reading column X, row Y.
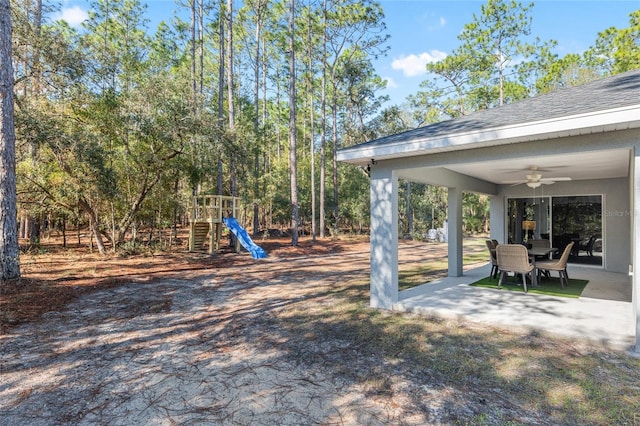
column 414, row 65
column 442, row 22
column 432, row 23
column 73, row 15
column 391, row 84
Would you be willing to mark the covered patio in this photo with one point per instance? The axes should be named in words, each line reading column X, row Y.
column 578, row 142
column 603, row 314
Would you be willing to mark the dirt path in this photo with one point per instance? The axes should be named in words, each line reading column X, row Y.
column 207, row 348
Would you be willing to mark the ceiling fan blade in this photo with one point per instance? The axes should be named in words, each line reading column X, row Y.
column 558, row 179
column 546, row 181
column 533, row 169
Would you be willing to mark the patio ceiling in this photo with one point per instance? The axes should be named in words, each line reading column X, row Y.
column 578, row 166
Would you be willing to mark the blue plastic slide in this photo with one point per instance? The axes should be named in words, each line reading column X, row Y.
column 241, row 234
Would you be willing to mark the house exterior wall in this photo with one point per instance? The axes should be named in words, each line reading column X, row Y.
column 617, row 225
column 635, row 237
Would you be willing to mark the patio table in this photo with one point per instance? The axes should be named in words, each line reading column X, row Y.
column 540, row 251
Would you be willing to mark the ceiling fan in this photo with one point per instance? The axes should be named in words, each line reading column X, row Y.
column 534, row 179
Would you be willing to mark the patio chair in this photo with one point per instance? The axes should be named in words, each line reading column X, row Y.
column 494, row 260
column 588, row 247
column 540, row 243
column 559, row 265
column 515, row 258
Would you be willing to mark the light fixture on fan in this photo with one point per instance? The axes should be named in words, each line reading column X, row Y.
column 534, row 184
column 534, row 177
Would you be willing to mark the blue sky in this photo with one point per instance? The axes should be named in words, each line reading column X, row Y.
column 427, row 30
column 424, row 30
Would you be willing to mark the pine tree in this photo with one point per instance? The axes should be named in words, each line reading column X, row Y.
column 9, row 249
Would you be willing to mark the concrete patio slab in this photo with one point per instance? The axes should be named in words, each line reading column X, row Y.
column 603, row 314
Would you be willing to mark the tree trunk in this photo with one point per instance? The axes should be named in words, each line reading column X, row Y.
column 34, row 232
column 94, row 228
column 256, row 121
column 9, row 248
column 408, row 211
column 127, row 219
column 174, row 226
column 35, row 93
column 334, row 160
column 24, row 226
column 292, row 127
column 221, row 77
column 194, row 85
column 311, row 132
column 230, row 98
column 201, row 13
column 323, row 122
column 64, row 231
column 265, row 154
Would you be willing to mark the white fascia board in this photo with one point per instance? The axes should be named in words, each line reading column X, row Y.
column 594, row 122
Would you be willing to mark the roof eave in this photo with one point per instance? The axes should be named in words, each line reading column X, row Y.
column 623, row 118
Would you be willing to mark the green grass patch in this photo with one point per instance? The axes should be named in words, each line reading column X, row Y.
column 547, row 286
column 422, row 274
column 475, row 252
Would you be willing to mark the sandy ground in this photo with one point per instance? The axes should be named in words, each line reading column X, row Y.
column 203, row 346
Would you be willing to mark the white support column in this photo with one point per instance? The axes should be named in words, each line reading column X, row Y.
column 454, row 213
column 384, row 238
column 497, row 218
column 635, row 244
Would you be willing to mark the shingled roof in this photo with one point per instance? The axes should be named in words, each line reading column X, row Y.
column 618, row 91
